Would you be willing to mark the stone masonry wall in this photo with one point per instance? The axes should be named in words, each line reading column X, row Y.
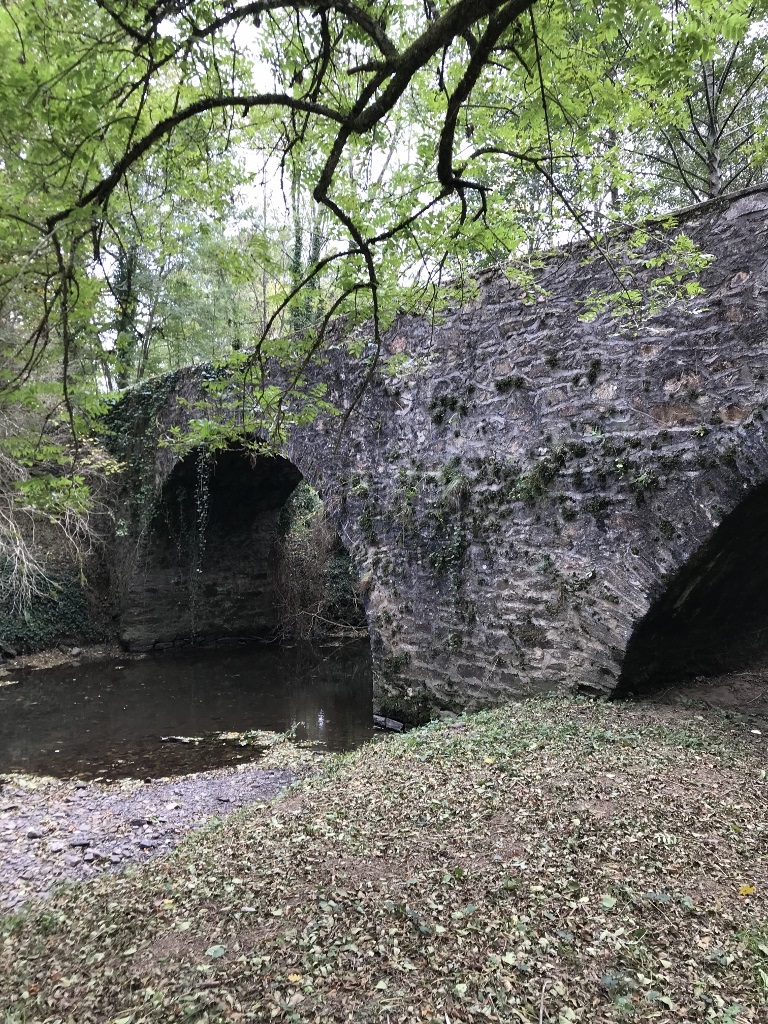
column 519, row 486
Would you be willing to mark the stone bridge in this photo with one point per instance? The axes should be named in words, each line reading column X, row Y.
column 532, row 500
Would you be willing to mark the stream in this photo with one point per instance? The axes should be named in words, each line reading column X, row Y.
column 119, row 759
column 174, row 713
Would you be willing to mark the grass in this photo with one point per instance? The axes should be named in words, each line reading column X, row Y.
column 558, row 860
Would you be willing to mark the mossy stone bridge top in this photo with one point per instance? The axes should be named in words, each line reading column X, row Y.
column 536, row 500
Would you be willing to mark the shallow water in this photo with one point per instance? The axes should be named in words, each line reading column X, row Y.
column 107, row 719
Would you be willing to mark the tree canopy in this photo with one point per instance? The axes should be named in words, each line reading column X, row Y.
column 209, row 178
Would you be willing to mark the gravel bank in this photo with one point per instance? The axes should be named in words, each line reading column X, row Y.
column 54, row 831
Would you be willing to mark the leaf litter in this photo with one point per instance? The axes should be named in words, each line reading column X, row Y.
column 557, row 860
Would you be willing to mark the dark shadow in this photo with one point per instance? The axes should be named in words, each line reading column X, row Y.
column 205, row 571
column 713, row 616
column 238, row 491
column 213, row 568
column 210, row 573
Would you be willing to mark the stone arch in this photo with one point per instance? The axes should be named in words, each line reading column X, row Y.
column 204, row 570
column 711, row 617
column 520, row 485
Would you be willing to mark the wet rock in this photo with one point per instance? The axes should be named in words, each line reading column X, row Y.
column 390, row 724
column 34, row 834
column 80, row 841
column 147, row 844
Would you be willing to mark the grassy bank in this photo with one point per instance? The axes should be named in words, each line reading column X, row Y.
column 556, row 861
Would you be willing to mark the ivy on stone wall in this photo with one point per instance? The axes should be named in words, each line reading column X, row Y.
column 60, row 615
column 317, row 581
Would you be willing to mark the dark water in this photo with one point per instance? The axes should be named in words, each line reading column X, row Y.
column 106, row 719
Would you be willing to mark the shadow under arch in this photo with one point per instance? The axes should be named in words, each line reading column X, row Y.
column 206, row 572
column 712, row 618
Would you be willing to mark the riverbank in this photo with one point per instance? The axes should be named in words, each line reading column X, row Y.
column 64, row 654
column 556, row 861
column 54, row 831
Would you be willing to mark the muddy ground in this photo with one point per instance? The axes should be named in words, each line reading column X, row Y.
column 742, row 696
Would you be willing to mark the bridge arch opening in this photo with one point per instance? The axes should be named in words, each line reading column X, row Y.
column 712, row 618
column 222, row 559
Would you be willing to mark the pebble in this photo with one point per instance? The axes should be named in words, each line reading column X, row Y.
column 86, row 825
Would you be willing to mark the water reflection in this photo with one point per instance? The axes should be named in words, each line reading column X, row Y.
column 107, row 718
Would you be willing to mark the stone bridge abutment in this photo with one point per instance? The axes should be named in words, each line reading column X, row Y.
column 536, row 500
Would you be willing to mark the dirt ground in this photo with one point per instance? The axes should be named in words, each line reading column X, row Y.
column 65, row 655
column 743, row 696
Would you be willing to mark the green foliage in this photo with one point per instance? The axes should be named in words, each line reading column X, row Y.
column 130, row 430
column 447, row 557
column 316, row 579
column 505, row 384
column 60, row 614
column 445, row 407
column 535, row 482
column 133, row 238
column 642, row 295
column 756, row 941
